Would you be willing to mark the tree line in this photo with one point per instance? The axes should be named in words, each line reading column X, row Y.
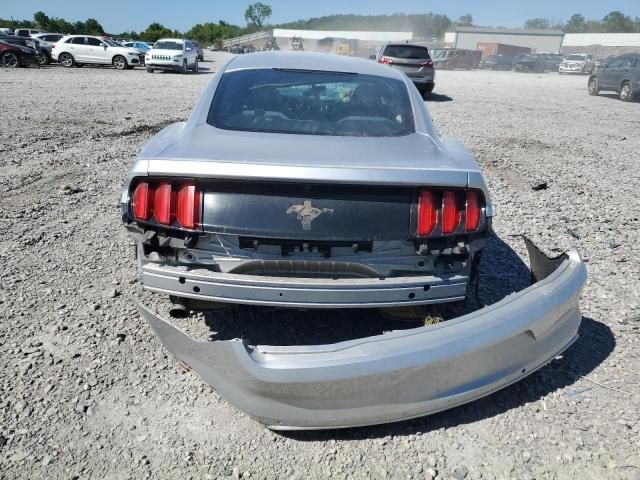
column 613, row 22
column 426, row 25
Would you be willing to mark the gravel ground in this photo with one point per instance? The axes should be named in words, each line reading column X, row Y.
column 88, row 392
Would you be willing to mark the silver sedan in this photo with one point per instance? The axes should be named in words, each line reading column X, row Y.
column 317, row 181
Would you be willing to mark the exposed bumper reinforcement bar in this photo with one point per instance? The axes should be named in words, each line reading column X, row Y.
column 397, row 375
column 305, row 292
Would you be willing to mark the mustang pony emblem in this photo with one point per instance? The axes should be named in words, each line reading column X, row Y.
column 307, row 213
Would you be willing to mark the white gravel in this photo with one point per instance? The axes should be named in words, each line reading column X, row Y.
column 88, row 392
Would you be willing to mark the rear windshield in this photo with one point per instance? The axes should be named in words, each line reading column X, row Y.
column 311, row 103
column 409, row 52
column 168, row 46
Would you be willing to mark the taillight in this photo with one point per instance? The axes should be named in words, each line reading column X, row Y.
column 163, row 204
column 472, row 213
column 427, row 63
column 142, row 202
column 440, row 212
column 450, row 213
column 188, row 213
column 385, row 60
column 427, row 213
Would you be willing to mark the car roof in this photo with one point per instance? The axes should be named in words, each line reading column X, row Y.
column 311, row 61
column 181, row 40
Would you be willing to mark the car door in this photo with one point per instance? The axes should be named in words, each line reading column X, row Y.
column 77, row 48
column 98, row 51
column 189, row 53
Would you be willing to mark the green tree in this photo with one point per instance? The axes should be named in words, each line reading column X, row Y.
column 257, row 14
column 92, row 27
column 537, row 23
column 617, row 22
column 42, row 20
column 465, row 21
column 576, row 24
column 156, row 31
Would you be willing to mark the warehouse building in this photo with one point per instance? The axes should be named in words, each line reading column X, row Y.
column 326, row 40
column 548, row 41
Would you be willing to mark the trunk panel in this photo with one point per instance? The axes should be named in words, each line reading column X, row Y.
column 307, row 212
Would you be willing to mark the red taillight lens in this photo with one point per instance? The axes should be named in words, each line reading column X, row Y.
column 385, row 60
column 188, row 211
column 427, row 63
column 450, row 213
column 142, row 202
column 163, row 204
column 472, row 215
column 427, row 213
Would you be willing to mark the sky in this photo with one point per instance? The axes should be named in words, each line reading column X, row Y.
column 126, row 15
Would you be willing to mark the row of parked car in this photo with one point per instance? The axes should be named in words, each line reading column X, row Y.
column 34, row 48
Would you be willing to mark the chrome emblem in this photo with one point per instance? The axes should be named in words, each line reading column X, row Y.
column 307, row 213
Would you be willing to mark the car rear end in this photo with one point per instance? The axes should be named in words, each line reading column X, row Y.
column 412, row 60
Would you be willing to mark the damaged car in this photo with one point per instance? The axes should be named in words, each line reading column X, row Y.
column 315, row 181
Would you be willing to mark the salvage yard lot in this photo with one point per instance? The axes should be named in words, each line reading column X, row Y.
column 88, row 391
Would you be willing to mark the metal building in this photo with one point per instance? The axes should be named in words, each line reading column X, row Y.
column 548, row 41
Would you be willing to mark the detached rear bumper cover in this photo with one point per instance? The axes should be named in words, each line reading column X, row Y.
column 401, row 374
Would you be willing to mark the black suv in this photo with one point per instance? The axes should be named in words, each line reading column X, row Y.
column 620, row 74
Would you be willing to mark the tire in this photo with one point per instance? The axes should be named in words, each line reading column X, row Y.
column 44, row 58
column 626, row 93
column 185, row 68
column 426, row 91
column 195, row 67
column 150, row 70
column 120, row 63
column 10, row 60
column 593, row 87
column 66, row 60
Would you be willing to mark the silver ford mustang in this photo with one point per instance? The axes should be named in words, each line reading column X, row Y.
column 318, row 181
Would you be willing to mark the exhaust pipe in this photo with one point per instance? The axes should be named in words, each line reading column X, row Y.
column 178, row 307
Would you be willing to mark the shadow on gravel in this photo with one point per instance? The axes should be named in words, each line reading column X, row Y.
column 595, row 344
column 501, row 272
column 437, row 98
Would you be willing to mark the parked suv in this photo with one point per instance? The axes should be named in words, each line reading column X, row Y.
column 621, row 74
column 456, row 58
column 172, row 54
column 412, row 60
column 577, row 63
column 81, row 49
column 47, row 41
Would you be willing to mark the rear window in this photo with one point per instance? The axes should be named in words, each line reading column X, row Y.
column 311, row 103
column 409, row 52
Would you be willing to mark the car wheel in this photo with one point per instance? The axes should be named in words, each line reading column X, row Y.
column 594, row 89
column 120, row 62
column 185, row 70
column 626, row 95
column 149, row 69
column 44, row 58
column 426, row 92
column 195, row 66
column 10, row 60
column 66, row 60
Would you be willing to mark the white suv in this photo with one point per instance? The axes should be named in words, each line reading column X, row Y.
column 172, row 54
column 80, row 49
